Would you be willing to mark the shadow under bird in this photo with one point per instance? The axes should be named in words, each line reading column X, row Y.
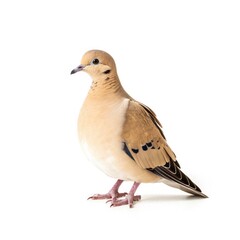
column 122, row 136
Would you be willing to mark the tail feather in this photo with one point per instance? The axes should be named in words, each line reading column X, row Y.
column 174, row 177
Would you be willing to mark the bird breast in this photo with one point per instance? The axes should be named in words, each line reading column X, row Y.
column 99, row 128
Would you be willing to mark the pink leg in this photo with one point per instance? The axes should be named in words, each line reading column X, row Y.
column 113, row 194
column 130, row 198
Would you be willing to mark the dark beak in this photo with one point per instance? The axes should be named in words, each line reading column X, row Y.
column 77, row 69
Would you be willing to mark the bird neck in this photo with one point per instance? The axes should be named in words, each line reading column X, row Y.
column 104, row 86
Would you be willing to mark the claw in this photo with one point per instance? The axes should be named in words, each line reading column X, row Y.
column 100, row 196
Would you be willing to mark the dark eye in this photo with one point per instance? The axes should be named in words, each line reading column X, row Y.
column 95, row 61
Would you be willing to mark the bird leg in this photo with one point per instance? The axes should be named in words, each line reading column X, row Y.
column 130, row 198
column 113, row 194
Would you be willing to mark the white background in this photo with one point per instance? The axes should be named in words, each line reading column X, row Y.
column 181, row 58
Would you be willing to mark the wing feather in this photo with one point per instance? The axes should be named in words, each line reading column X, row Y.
column 144, row 138
column 146, row 144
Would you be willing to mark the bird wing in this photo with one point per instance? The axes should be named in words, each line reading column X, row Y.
column 144, row 138
column 145, row 143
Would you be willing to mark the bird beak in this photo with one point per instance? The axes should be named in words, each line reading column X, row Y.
column 77, row 69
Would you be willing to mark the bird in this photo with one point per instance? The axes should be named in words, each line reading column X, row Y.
column 122, row 136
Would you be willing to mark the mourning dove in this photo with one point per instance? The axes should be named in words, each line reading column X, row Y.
column 122, row 136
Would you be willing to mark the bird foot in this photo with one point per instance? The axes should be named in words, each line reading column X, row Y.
column 111, row 195
column 126, row 201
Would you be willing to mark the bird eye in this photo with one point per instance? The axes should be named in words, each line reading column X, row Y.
column 95, row 61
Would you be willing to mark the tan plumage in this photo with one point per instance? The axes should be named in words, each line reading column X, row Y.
column 141, row 131
column 122, row 136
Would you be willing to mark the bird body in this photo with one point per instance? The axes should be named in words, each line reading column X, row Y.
column 104, row 146
column 123, row 137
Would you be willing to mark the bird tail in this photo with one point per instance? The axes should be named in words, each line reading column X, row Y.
column 184, row 188
column 174, row 177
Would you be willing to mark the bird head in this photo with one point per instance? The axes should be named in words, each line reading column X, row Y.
column 96, row 63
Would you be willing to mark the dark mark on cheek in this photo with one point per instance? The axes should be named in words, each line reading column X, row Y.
column 107, row 71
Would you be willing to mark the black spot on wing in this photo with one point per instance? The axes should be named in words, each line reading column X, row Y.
column 126, row 150
column 144, row 148
column 135, row 150
column 149, row 144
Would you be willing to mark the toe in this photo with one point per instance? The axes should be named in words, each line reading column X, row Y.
column 100, row 196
